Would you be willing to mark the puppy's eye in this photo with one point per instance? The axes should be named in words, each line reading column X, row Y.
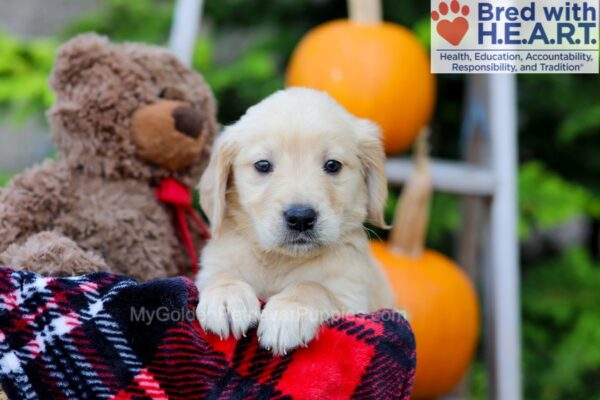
column 332, row 166
column 263, row 166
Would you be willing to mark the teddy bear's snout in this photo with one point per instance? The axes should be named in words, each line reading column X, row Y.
column 168, row 133
column 188, row 121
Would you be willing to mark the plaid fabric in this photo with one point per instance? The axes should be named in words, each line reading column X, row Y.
column 104, row 336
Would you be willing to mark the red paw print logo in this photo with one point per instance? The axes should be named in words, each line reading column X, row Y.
column 453, row 30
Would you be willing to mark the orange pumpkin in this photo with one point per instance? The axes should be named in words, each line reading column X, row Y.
column 439, row 298
column 377, row 70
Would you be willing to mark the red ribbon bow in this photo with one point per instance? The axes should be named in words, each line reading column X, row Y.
column 177, row 195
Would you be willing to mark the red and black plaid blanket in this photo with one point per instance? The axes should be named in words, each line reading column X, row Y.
column 104, row 336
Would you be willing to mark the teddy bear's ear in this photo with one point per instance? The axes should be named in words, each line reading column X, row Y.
column 75, row 56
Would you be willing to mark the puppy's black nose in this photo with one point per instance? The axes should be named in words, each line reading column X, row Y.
column 300, row 218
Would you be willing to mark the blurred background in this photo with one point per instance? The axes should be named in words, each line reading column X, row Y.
column 242, row 51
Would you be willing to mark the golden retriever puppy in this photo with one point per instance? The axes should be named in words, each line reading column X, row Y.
column 287, row 190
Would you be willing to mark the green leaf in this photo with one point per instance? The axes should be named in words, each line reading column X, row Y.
column 580, row 123
column 5, row 177
column 24, row 69
column 422, row 30
column 203, row 54
column 546, row 200
column 125, row 20
column 561, row 327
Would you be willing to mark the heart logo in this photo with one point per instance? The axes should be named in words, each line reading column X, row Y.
column 453, row 31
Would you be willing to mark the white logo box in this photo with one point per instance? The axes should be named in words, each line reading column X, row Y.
column 511, row 36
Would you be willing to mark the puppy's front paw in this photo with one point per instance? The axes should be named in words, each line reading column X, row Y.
column 228, row 308
column 285, row 325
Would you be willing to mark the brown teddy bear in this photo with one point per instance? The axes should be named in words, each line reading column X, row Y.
column 133, row 128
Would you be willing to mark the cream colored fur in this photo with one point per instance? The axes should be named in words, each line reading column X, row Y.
column 250, row 256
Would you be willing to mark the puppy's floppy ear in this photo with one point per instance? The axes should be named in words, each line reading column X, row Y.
column 372, row 156
column 213, row 184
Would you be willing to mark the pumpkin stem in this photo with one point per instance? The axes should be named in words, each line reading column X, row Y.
column 412, row 211
column 365, row 11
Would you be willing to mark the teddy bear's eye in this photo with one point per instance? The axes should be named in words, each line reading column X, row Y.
column 170, row 93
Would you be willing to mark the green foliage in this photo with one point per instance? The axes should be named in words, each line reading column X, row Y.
column 125, row 20
column 423, row 31
column 444, row 218
column 24, row 69
column 546, row 200
column 239, row 84
column 478, row 379
column 5, row 178
column 560, row 331
column 560, row 121
column 580, row 123
column 561, row 310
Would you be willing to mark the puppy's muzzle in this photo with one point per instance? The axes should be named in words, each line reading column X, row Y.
column 300, row 218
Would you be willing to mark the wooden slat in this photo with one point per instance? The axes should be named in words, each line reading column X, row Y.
column 448, row 176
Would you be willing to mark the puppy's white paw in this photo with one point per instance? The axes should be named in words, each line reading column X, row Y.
column 285, row 325
column 228, row 309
